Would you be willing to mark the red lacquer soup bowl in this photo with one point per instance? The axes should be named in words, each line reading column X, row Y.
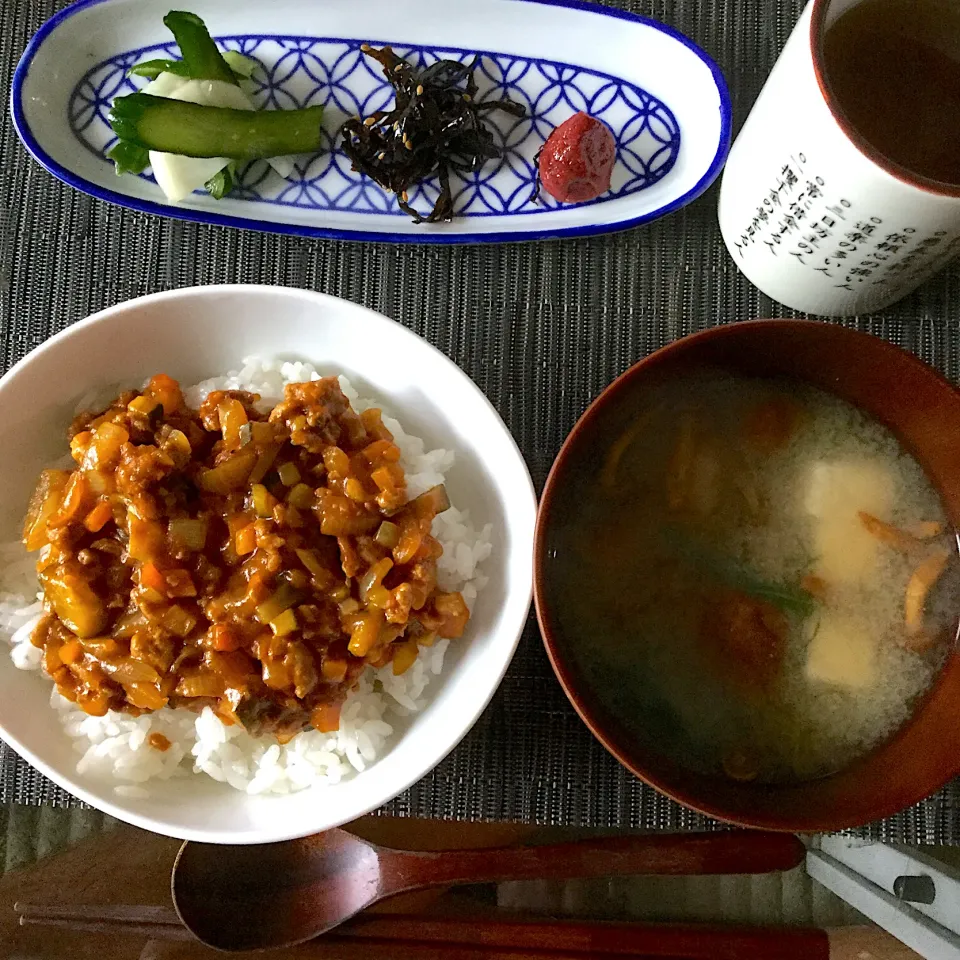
column 923, row 411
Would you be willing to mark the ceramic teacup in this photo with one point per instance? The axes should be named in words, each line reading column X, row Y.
column 813, row 214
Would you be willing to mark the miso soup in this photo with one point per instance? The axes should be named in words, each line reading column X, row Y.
column 753, row 576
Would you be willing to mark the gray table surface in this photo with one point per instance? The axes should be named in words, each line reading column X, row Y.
column 541, row 328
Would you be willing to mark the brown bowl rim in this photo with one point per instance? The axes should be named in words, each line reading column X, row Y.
column 814, row 823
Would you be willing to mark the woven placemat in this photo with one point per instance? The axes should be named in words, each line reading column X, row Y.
column 542, row 328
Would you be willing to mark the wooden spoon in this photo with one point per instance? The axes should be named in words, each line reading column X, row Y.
column 280, row 894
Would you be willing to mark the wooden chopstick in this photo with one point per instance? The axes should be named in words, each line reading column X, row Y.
column 125, row 928
column 329, row 948
column 142, row 914
column 599, row 937
column 403, row 936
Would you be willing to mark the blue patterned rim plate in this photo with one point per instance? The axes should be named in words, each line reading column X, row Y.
column 664, row 99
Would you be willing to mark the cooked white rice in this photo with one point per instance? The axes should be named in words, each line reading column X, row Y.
column 115, row 747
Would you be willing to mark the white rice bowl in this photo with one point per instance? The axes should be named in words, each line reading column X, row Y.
column 115, row 748
column 218, row 783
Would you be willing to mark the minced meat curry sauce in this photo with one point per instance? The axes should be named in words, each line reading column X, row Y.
column 768, row 576
column 255, row 563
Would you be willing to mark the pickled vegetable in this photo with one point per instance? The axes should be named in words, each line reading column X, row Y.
column 577, row 160
column 437, row 124
column 192, row 130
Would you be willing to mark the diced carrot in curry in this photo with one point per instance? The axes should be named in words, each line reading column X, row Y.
column 166, row 390
column 159, row 742
column 71, row 652
column 246, row 540
column 223, row 638
column 150, row 576
column 326, row 717
column 98, row 517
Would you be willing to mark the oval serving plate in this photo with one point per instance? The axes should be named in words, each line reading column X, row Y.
column 664, row 99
